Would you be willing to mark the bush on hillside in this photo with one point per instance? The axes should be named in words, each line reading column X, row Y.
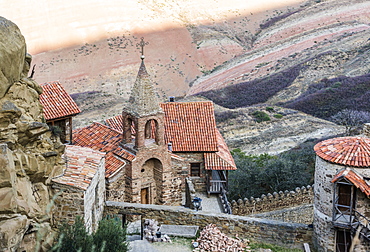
column 330, row 96
column 261, row 116
column 253, row 92
column 353, row 120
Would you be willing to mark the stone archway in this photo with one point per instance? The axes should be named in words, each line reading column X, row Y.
column 151, row 176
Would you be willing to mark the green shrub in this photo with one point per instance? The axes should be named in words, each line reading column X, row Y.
column 261, row 116
column 278, row 116
column 270, row 109
column 73, row 237
column 110, row 237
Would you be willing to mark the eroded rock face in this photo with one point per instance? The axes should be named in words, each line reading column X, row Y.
column 26, row 164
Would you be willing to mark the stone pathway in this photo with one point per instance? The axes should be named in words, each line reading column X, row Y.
column 142, row 246
column 210, row 204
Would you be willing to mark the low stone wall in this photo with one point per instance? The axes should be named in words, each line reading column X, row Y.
column 273, row 202
column 289, row 235
column 301, row 214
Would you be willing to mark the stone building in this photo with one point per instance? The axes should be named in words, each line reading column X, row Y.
column 152, row 147
column 81, row 187
column 342, row 192
column 58, row 108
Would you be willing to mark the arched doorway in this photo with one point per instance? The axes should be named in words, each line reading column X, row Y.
column 151, row 181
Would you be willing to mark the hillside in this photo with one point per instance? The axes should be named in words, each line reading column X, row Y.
column 309, row 56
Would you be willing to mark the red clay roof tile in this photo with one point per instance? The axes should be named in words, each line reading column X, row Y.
column 100, row 137
column 220, row 160
column 355, row 178
column 351, row 151
column 190, row 126
column 57, row 102
column 81, row 166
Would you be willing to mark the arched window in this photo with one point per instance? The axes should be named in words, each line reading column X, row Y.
column 129, row 130
column 151, row 130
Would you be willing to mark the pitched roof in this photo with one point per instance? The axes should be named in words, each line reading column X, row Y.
column 57, row 102
column 81, row 166
column 115, row 122
column 220, row 160
column 351, row 151
column 190, row 126
column 355, row 178
column 102, row 138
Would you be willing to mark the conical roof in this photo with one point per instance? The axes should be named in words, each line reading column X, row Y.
column 143, row 100
column 350, row 151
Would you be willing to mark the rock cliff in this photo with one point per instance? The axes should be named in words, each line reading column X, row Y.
column 29, row 155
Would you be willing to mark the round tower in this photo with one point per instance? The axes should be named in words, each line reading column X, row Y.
column 342, row 190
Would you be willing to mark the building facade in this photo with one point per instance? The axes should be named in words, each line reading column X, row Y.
column 342, row 191
column 80, row 188
column 152, row 147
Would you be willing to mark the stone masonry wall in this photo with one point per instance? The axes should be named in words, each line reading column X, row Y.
column 301, row 214
column 273, row 202
column 324, row 237
column 68, row 204
column 194, row 157
column 290, row 235
column 95, row 199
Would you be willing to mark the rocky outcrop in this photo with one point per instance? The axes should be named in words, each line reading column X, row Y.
column 28, row 155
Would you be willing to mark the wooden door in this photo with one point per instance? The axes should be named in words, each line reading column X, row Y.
column 145, row 196
column 343, row 240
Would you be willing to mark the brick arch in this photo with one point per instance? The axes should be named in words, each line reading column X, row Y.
column 128, row 128
column 151, row 180
column 151, row 130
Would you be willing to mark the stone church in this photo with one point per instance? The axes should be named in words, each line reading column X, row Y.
column 152, row 147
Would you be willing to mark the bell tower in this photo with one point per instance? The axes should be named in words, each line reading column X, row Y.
column 148, row 177
column 143, row 118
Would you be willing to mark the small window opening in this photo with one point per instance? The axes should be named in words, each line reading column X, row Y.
column 195, row 169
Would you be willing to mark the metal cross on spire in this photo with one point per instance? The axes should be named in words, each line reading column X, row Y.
column 142, row 44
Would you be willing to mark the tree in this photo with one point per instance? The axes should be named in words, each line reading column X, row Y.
column 351, row 119
column 262, row 174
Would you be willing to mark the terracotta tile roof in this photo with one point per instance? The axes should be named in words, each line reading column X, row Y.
column 351, row 151
column 57, row 102
column 102, row 138
column 97, row 136
column 113, row 164
column 220, row 160
column 355, row 178
column 190, row 126
column 115, row 122
column 81, row 166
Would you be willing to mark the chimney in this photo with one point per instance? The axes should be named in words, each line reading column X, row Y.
column 171, row 98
